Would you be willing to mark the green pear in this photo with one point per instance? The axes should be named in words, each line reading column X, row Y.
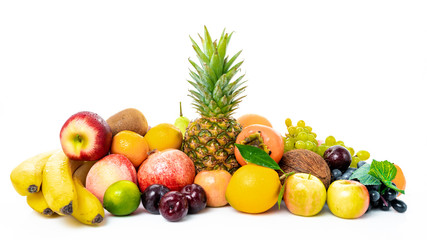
column 181, row 122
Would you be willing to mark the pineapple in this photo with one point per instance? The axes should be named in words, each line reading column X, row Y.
column 209, row 140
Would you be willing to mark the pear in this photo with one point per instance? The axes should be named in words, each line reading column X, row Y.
column 181, row 122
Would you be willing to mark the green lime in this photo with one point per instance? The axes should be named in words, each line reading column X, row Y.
column 122, row 198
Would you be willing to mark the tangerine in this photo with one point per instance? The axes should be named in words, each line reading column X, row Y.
column 399, row 180
column 134, row 146
column 251, row 119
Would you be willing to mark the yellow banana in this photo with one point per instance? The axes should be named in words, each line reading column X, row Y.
column 89, row 209
column 82, row 171
column 38, row 203
column 58, row 186
column 27, row 177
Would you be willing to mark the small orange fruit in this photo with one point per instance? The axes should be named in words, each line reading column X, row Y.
column 251, row 119
column 132, row 145
column 399, row 180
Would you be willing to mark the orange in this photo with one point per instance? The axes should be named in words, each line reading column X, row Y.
column 132, row 145
column 253, row 189
column 399, row 180
column 250, row 119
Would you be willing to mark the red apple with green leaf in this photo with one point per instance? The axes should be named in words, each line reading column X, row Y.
column 86, row 136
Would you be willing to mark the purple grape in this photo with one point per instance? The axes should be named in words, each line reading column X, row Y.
column 196, row 197
column 173, row 206
column 337, row 157
column 151, row 196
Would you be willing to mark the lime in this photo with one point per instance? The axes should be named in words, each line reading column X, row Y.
column 122, row 198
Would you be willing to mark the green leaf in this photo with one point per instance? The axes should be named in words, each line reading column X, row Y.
column 208, row 44
column 257, row 156
column 362, row 175
column 385, row 171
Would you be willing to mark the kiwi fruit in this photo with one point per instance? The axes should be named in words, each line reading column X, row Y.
column 128, row 119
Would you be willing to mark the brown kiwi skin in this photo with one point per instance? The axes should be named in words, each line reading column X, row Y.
column 128, row 119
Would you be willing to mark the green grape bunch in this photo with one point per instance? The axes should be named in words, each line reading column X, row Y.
column 299, row 136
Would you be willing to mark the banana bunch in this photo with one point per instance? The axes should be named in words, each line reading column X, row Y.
column 53, row 183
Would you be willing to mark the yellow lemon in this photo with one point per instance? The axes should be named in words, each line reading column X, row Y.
column 164, row 136
column 253, row 189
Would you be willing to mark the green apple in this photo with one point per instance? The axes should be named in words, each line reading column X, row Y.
column 305, row 194
column 347, row 199
column 181, row 122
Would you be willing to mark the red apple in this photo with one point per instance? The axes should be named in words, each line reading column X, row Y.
column 86, row 136
column 108, row 170
column 305, row 194
column 171, row 168
column 347, row 199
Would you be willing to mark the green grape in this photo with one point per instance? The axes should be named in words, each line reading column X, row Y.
column 351, row 150
column 315, row 147
column 302, row 136
column 289, row 144
column 288, row 122
column 330, row 141
column 299, row 129
column 341, row 143
column 292, row 130
column 314, row 134
column 300, row 144
column 308, row 128
column 363, row 155
column 354, row 161
column 301, row 123
column 309, row 145
column 311, row 137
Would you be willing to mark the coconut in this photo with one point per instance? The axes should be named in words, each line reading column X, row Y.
column 306, row 161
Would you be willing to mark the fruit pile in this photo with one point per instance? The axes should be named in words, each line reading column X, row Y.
column 214, row 160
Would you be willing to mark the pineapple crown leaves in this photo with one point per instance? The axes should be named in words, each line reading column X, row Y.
column 215, row 94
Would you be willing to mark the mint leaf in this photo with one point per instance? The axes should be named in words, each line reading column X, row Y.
column 257, row 156
column 364, row 178
column 385, row 171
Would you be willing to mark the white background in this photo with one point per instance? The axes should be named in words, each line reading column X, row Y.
column 352, row 69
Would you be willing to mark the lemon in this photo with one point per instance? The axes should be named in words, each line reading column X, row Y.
column 122, row 198
column 253, row 189
column 164, row 136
